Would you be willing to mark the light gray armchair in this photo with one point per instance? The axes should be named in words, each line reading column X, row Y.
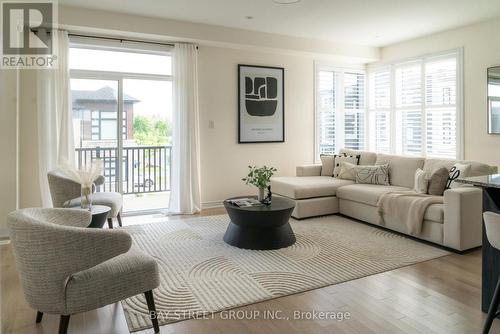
column 66, row 268
column 66, row 193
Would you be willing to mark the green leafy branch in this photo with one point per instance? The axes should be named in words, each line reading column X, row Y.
column 259, row 177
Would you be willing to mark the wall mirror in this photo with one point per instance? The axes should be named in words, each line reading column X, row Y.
column 494, row 100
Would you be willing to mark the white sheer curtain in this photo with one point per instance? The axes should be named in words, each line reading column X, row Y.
column 185, row 197
column 55, row 127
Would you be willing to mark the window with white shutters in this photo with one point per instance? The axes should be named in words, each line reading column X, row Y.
column 354, row 113
column 441, row 107
column 340, row 109
column 326, row 103
column 379, row 115
column 409, row 109
column 414, row 107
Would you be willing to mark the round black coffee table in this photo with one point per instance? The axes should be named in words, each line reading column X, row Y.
column 260, row 227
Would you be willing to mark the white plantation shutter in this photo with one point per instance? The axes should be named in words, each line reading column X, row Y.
column 440, row 107
column 340, row 110
column 409, row 109
column 354, row 115
column 326, row 105
column 379, row 122
column 422, row 118
column 409, row 86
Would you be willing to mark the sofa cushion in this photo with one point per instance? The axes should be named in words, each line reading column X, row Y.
column 366, row 193
column 365, row 157
column 369, row 194
column 477, row 168
column 421, row 182
column 438, row 181
column 432, row 165
column 435, row 213
column 347, row 171
column 327, row 164
column 459, row 170
column 353, row 159
column 378, row 174
column 307, row 186
column 401, row 169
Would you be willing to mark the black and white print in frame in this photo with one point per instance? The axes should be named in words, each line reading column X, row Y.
column 261, row 104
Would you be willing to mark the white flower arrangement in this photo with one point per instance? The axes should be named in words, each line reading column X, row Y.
column 85, row 176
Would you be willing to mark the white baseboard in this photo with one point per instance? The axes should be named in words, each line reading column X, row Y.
column 4, row 233
column 211, row 204
column 4, row 236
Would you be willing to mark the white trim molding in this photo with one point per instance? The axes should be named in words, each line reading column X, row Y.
column 212, row 204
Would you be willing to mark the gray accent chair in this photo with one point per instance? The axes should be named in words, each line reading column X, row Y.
column 66, row 194
column 66, row 268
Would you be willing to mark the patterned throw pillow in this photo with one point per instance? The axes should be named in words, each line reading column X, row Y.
column 457, row 171
column 327, row 162
column 347, row 171
column 353, row 159
column 373, row 174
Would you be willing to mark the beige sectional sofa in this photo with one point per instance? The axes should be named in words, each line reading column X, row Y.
column 456, row 224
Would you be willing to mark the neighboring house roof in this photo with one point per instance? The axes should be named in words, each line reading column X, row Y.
column 105, row 94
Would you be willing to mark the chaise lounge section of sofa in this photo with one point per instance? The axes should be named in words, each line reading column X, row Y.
column 456, row 224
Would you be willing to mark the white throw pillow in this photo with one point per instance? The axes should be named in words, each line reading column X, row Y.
column 347, row 171
column 421, row 181
column 327, row 162
column 378, row 174
column 353, row 159
column 458, row 170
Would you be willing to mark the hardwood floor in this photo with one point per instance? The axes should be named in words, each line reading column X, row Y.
column 437, row 296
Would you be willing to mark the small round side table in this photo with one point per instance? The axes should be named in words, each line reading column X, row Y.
column 99, row 215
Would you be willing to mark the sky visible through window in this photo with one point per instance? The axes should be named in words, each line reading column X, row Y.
column 155, row 96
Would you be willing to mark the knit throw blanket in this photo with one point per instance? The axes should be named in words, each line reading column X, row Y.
column 406, row 206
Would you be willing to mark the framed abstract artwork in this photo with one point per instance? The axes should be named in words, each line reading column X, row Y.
column 261, row 104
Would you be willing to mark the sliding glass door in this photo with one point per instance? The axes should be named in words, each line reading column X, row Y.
column 122, row 107
column 147, row 146
column 95, row 126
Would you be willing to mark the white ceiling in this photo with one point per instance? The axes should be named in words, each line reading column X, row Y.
column 363, row 22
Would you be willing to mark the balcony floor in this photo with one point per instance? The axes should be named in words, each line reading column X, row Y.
column 149, row 201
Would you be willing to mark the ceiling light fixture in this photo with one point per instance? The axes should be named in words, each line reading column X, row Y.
column 285, row 2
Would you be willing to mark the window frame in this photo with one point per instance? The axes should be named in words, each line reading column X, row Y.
column 339, row 103
column 423, row 106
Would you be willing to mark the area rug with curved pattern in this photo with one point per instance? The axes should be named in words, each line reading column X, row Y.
column 200, row 274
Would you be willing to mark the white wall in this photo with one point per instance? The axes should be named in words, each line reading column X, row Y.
column 481, row 50
column 8, row 146
column 223, row 161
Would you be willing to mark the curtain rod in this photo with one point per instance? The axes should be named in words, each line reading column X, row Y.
column 115, row 39
column 121, row 39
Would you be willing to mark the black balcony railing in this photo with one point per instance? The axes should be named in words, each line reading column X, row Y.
column 145, row 169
